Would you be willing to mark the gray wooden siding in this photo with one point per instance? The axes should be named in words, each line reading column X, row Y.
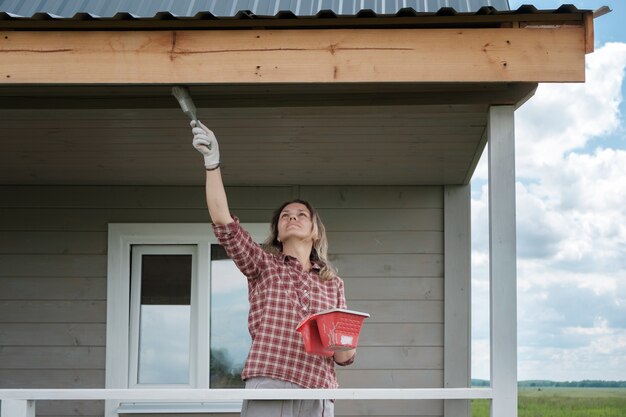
column 387, row 243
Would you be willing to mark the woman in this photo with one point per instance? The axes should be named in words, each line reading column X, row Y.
column 289, row 278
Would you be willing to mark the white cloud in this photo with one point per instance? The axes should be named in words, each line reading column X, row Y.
column 601, row 358
column 571, row 224
column 561, row 118
column 574, row 215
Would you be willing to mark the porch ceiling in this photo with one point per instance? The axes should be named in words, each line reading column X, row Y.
column 269, row 134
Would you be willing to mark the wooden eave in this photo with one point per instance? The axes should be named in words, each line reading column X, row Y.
column 328, row 102
column 525, row 45
column 295, row 56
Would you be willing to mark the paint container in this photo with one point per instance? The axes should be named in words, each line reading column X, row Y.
column 333, row 330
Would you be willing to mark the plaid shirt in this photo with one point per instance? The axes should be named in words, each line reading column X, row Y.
column 281, row 294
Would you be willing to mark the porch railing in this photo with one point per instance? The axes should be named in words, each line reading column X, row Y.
column 21, row 402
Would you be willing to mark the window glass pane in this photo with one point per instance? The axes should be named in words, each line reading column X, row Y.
column 165, row 316
column 230, row 340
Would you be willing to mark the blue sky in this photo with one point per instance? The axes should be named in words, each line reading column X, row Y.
column 571, row 220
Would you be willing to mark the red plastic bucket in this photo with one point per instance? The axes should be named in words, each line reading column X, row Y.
column 331, row 330
column 311, row 337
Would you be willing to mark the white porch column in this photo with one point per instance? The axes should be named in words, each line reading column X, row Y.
column 502, row 258
column 457, row 299
column 17, row 408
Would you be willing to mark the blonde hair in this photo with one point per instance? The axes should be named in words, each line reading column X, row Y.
column 319, row 251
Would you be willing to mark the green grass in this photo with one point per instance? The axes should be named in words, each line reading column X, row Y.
column 564, row 402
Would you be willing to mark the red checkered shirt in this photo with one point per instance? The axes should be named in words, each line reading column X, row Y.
column 281, row 294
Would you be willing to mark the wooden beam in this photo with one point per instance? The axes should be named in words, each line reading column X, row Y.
column 293, row 56
column 502, row 261
column 457, row 302
column 589, row 33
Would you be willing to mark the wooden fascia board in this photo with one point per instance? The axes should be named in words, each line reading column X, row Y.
column 294, row 56
column 589, row 33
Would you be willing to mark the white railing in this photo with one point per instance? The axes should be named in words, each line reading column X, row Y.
column 21, row 402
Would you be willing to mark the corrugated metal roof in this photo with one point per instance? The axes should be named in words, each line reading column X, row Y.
column 272, row 14
column 231, row 8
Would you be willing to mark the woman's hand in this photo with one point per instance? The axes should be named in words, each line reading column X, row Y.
column 344, row 357
column 205, row 142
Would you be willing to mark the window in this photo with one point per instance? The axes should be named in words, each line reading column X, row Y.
column 176, row 309
column 160, row 322
column 230, row 340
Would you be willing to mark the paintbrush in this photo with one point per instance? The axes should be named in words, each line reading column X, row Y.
column 186, row 103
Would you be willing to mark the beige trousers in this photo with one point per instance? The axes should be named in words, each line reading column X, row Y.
column 286, row 408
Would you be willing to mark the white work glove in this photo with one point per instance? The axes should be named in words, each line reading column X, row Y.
column 205, row 142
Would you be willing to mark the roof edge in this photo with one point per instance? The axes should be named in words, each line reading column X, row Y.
column 325, row 19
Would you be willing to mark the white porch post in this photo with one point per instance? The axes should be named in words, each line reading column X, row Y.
column 502, row 258
column 457, row 283
column 17, row 408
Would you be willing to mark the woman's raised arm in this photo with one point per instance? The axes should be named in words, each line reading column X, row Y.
column 206, row 143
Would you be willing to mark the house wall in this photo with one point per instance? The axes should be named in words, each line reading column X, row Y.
column 387, row 243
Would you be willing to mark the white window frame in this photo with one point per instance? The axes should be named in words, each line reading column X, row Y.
column 135, row 306
column 121, row 237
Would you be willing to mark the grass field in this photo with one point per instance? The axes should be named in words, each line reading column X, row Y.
column 564, row 402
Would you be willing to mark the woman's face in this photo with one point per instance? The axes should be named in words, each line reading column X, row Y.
column 295, row 221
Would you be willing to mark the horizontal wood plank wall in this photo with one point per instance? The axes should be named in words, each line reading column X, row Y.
column 387, row 243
